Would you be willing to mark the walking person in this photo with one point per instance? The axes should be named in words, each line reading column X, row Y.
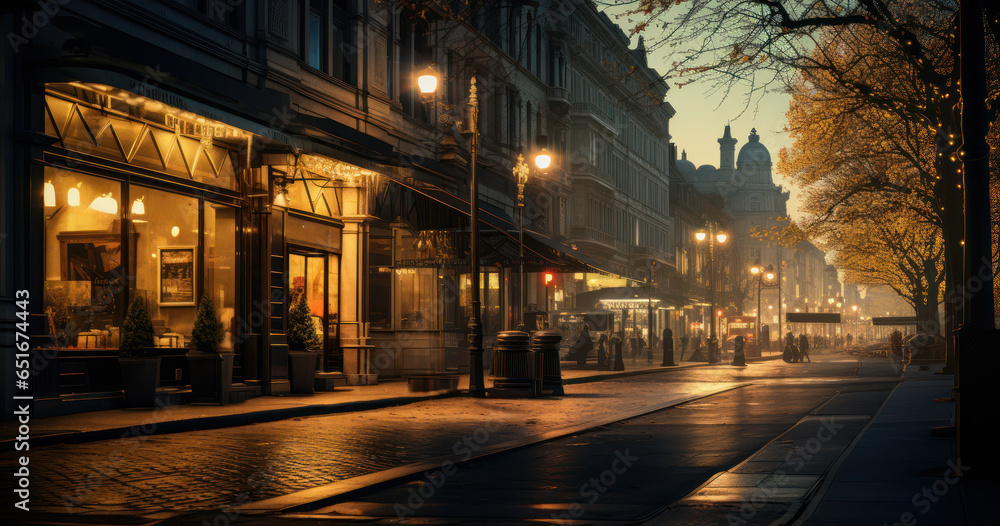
column 603, row 355
column 791, row 352
column 583, row 346
column 804, row 348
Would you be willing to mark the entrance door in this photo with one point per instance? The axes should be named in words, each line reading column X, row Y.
column 317, row 275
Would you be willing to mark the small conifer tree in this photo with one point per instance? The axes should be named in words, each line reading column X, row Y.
column 301, row 331
column 137, row 330
column 207, row 333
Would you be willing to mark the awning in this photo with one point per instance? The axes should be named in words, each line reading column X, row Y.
column 499, row 236
column 622, row 297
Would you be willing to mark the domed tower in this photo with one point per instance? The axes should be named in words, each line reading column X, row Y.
column 754, row 161
column 727, row 149
column 685, row 166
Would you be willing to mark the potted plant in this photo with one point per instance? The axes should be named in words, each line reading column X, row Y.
column 139, row 363
column 211, row 370
column 303, row 346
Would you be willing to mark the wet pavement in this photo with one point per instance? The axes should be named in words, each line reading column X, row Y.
column 682, row 448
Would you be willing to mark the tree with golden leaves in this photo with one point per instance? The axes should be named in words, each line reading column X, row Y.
column 896, row 58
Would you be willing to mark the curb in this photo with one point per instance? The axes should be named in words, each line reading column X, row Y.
column 220, row 422
column 272, row 415
column 314, row 498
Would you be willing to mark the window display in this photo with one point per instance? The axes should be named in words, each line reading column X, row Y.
column 85, row 276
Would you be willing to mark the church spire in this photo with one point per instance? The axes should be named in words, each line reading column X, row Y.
column 727, row 150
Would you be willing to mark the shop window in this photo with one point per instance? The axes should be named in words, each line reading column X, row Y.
column 489, row 295
column 166, row 261
column 85, row 274
column 416, row 290
column 380, row 278
column 220, row 263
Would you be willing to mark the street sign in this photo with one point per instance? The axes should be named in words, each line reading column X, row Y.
column 813, row 317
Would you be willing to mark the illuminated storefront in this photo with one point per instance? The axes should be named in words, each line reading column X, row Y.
column 136, row 198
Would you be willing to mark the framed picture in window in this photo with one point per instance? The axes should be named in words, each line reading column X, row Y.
column 177, row 276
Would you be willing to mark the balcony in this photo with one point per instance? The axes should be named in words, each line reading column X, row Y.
column 559, row 101
column 589, row 109
column 587, row 234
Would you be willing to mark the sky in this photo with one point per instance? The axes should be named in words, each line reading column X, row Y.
column 703, row 113
column 702, row 117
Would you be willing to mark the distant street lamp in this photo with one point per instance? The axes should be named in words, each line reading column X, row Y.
column 712, row 236
column 761, row 274
column 428, row 83
column 521, row 172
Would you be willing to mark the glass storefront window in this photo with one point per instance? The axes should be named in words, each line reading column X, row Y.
column 380, row 278
column 489, row 297
column 220, row 264
column 166, row 261
column 417, row 298
column 333, row 296
column 416, row 287
column 85, row 274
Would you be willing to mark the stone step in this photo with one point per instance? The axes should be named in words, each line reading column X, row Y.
column 330, row 381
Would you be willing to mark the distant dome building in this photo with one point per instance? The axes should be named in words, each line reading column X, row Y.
column 754, row 161
column 747, row 186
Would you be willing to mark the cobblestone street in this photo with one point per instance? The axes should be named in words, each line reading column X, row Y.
column 211, row 469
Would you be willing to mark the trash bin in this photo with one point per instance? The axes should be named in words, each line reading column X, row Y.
column 512, row 361
column 545, row 344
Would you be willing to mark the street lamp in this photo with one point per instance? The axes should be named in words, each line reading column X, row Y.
column 649, row 306
column 428, row 83
column 761, row 273
column 521, row 171
column 712, row 236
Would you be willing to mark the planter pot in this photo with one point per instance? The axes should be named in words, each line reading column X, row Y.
column 140, row 378
column 211, row 376
column 302, row 371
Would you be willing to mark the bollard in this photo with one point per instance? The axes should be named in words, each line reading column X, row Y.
column 668, row 348
column 512, row 361
column 545, row 345
column 619, row 363
column 739, row 357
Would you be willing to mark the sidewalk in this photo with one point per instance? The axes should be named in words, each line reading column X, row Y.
column 106, row 425
column 898, row 472
column 840, row 468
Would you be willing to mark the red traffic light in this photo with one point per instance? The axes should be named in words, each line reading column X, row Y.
column 718, row 313
column 548, row 277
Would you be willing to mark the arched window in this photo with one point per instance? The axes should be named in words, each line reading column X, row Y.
column 753, row 203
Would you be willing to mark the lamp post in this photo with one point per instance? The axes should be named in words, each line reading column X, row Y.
column 649, row 314
column 427, row 82
column 760, row 273
column 781, row 263
column 712, row 236
column 521, row 171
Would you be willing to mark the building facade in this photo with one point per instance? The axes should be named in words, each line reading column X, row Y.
column 253, row 152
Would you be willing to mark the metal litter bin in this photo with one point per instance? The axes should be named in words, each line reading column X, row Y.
column 546, row 345
column 512, row 361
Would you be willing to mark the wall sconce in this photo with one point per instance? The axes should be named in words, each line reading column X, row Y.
column 281, row 192
column 138, row 208
column 105, row 203
column 50, row 193
column 73, row 195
